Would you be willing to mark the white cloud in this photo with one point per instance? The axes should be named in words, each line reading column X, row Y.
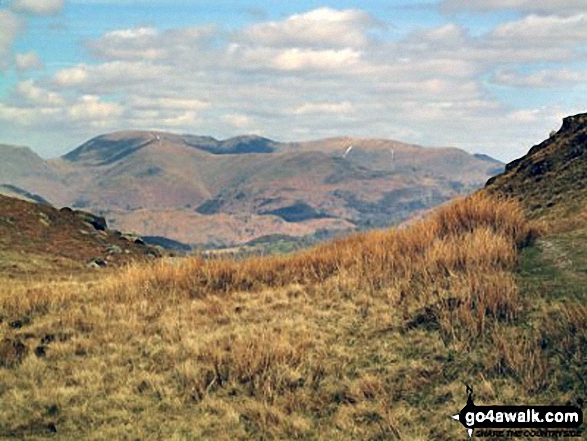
column 110, row 76
column 168, row 103
column 184, row 119
column 547, row 78
column 45, row 109
column 324, row 27
column 530, row 39
column 332, row 108
column 524, row 116
column 290, row 59
column 22, row 116
column 311, row 75
column 38, row 7
column 132, row 33
column 539, row 30
column 28, row 61
column 10, row 26
column 304, row 59
column 544, row 6
column 72, row 76
column 35, row 95
column 446, row 34
column 139, row 44
column 91, row 107
column 238, row 121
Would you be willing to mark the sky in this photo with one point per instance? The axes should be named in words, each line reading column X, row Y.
column 487, row 76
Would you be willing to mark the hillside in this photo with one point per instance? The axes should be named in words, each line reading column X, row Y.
column 203, row 191
column 23, row 172
column 21, row 162
column 370, row 337
column 39, row 238
column 18, row 193
column 551, row 184
column 551, row 180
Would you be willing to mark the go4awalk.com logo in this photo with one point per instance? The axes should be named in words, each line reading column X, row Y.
column 521, row 421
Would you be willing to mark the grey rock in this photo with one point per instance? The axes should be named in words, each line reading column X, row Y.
column 96, row 263
column 114, row 249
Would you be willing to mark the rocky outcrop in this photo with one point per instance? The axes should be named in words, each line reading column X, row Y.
column 62, row 237
column 553, row 172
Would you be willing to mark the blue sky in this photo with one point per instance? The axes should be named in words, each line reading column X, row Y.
column 491, row 76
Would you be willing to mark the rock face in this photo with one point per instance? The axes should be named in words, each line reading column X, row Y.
column 98, row 222
column 197, row 190
column 552, row 174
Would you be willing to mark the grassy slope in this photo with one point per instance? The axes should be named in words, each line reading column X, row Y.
column 553, row 275
column 370, row 337
column 549, row 182
column 38, row 238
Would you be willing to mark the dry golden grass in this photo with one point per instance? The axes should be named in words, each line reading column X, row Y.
column 368, row 337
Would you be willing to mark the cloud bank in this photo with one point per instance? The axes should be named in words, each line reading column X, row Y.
column 542, row 6
column 318, row 73
column 38, row 7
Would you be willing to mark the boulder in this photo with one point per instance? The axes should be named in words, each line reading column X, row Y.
column 98, row 222
column 114, row 249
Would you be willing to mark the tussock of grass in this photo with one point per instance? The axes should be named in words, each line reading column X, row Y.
column 462, row 252
column 472, row 232
column 368, row 337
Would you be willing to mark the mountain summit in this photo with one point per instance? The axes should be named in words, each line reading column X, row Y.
column 202, row 191
column 110, row 148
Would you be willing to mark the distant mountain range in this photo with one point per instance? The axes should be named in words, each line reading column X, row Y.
column 204, row 192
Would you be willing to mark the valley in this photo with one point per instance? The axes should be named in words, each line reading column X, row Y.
column 370, row 336
column 211, row 194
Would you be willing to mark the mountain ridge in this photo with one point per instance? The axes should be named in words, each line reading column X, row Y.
column 200, row 190
column 551, row 179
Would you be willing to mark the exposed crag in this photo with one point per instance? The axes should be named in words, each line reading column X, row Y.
column 551, row 180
